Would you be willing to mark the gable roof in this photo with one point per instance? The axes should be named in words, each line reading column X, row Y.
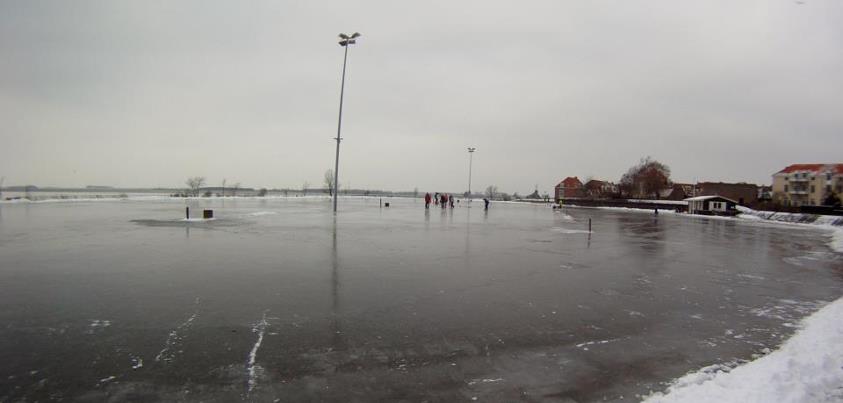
column 816, row 168
column 570, row 182
column 701, row 198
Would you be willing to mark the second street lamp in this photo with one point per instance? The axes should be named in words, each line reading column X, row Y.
column 345, row 41
column 470, row 154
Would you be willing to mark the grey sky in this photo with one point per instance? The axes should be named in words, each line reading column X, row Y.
column 147, row 93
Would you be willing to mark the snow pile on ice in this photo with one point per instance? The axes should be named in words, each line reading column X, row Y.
column 807, row 368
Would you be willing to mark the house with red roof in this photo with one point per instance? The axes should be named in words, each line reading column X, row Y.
column 570, row 187
column 807, row 184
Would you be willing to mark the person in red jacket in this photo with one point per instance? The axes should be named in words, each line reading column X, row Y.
column 427, row 200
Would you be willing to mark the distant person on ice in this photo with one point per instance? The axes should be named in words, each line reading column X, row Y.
column 485, row 203
column 427, row 200
column 451, row 200
column 443, row 199
column 436, row 198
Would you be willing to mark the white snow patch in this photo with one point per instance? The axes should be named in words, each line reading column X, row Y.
column 589, row 343
column 806, row 368
column 167, row 354
column 562, row 230
column 476, row 381
column 751, row 276
column 787, row 309
column 253, row 370
column 109, row 379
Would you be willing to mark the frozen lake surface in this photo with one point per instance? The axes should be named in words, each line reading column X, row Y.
column 276, row 299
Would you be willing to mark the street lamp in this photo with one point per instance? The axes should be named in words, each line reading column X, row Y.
column 470, row 155
column 345, row 40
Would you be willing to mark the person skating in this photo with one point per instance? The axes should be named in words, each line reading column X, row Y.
column 485, row 203
column 427, row 200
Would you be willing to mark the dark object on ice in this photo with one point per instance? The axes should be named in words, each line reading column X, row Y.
column 386, row 204
column 206, row 214
column 485, row 203
column 187, row 213
column 657, row 211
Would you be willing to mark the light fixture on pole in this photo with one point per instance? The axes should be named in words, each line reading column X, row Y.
column 345, row 40
column 470, row 155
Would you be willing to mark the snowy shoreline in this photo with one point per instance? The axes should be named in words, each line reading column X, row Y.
column 808, row 367
column 833, row 224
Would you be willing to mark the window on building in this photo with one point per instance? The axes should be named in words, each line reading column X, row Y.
column 785, row 188
column 812, row 189
column 828, row 188
column 828, row 176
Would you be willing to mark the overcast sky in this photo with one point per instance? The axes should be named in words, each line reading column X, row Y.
column 147, row 93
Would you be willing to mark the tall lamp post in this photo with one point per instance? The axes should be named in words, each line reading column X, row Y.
column 470, row 155
column 345, row 40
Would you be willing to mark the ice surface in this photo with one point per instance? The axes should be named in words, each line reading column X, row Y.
column 388, row 304
column 807, row 368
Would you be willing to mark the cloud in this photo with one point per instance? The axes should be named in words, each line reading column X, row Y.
column 149, row 93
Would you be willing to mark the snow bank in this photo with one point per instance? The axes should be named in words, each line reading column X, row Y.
column 806, row 368
column 837, row 240
column 828, row 222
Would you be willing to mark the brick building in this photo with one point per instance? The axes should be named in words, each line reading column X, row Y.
column 745, row 194
column 570, row 187
column 597, row 189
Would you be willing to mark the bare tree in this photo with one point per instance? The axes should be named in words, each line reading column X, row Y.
column 329, row 182
column 304, row 187
column 646, row 179
column 194, row 184
column 491, row 192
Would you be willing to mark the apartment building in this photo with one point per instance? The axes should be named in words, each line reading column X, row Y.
column 807, row 184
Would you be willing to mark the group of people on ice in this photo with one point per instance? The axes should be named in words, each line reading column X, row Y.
column 442, row 199
column 445, row 200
